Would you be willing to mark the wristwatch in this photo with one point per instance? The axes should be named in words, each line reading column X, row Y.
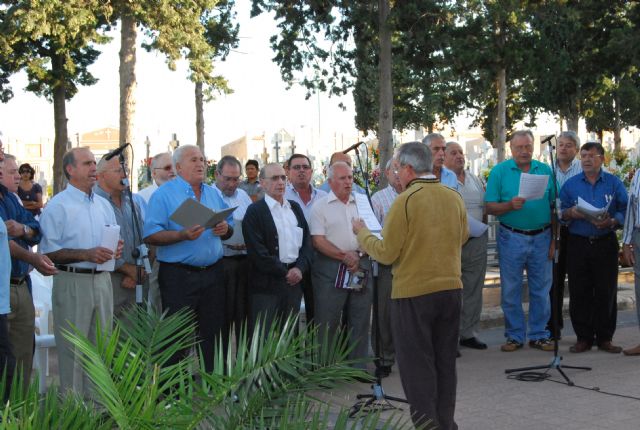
column 26, row 229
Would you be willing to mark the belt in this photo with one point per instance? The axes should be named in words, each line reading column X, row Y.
column 594, row 239
column 18, row 280
column 80, row 270
column 526, row 232
column 190, row 267
column 236, row 257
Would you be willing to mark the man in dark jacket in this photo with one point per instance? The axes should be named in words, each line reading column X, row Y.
column 279, row 249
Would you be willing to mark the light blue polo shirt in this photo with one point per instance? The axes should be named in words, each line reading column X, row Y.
column 504, row 184
column 203, row 251
column 5, row 270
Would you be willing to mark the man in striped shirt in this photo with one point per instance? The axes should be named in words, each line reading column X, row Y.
column 384, row 350
column 566, row 166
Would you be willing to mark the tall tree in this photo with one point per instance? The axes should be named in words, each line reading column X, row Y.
column 221, row 33
column 173, row 28
column 51, row 40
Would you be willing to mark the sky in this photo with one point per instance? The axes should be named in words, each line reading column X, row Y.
column 165, row 99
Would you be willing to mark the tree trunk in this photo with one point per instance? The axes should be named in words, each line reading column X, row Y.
column 501, row 113
column 573, row 116
column 617, row 140
column 199, row 117
column 60, row 124
column 385, row 118
column 127, row 77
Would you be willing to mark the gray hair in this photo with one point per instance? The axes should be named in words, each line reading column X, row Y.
column 431, row 137
column 521, row 133
column 571, row 135
column 450, row 143
column 388, row 165
column 156, row 159
column 102, row 164
column 416, row 155
column 331, row 169
column 227, row 159
column 177, row 154
column 263, row 171
column 10, row 157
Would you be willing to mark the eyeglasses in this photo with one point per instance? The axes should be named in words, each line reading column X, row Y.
column 278, row 177
column 165, row 168
column 119, row 170
column 301, row 167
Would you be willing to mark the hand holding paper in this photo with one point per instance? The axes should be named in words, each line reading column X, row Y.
column 532, row 187
column 109, row 242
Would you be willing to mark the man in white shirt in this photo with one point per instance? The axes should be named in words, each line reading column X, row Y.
column 162, row 170
column 236, row 267
column 72, row 224
column 279, row 250
column 299, row 189
column 474, row 251
column 336, row 244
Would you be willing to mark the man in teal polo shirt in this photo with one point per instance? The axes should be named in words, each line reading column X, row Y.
column 524, row 242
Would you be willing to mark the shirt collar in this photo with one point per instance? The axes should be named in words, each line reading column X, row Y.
column 272, row 203
column 332, row 197
column 571, row 166
column 186, row 185
column 78, row 193
column 600, row 176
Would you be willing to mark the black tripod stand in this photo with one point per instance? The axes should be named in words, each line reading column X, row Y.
column 377, row 400
column 557, row 359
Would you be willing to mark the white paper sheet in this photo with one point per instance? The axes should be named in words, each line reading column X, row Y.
column 110, row 238
column 365, row 212
column 532, row 187
column 591, row 212
column 476, row 228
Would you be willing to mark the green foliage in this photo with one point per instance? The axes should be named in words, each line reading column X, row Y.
column 273, row 380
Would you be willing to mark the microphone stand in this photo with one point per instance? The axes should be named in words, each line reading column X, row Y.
column 378, row 400
column 140, row 252
column 557, row 359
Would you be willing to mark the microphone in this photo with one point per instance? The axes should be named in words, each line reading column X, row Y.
column 352, row 147
column 116, row 152
column 547, row 139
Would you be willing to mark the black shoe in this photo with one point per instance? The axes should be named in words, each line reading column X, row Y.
column 383, row 371
column 473, row 342
column 458, row 355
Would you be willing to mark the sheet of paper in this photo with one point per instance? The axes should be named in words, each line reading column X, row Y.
column 532, row 187
column 591, row 212
column 476, row 228
column 110, row 237
column 235, row 240
column 191, row 212
column 366, row 213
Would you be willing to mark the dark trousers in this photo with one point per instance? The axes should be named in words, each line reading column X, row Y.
column 236, row 272
column 276, row 303
column 203, row 292
column 593, row 276
column 307, row 290
column 7, row 360
column 425, row 334
column 556, row 294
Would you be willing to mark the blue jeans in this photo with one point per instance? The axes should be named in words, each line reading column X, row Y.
column 518, row 252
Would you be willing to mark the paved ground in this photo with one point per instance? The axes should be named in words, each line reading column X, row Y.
column 488, row 399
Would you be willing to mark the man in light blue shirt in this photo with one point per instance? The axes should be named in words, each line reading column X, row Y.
column 436, row 142
column 191, row 271
column 73, row 223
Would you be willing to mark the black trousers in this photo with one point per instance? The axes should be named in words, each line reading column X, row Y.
column 276, row 303
column 593, row 276
column 202, row 291
column 236, row 272
column 556, row 294
column 425, row 335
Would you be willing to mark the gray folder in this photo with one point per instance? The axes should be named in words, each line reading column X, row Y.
column 191, row 212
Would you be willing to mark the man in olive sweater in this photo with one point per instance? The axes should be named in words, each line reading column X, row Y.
column 426, row 292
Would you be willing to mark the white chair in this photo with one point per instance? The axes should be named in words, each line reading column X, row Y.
column 41, row 287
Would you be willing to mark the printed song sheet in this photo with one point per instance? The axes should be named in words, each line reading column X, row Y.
column 532, row 187
column 110, row 237
column 366, row 213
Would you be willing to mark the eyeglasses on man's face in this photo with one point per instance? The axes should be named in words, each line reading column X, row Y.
column 165, row 168
column 301, row 167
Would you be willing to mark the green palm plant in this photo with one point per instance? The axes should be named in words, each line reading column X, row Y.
column 274, row 380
